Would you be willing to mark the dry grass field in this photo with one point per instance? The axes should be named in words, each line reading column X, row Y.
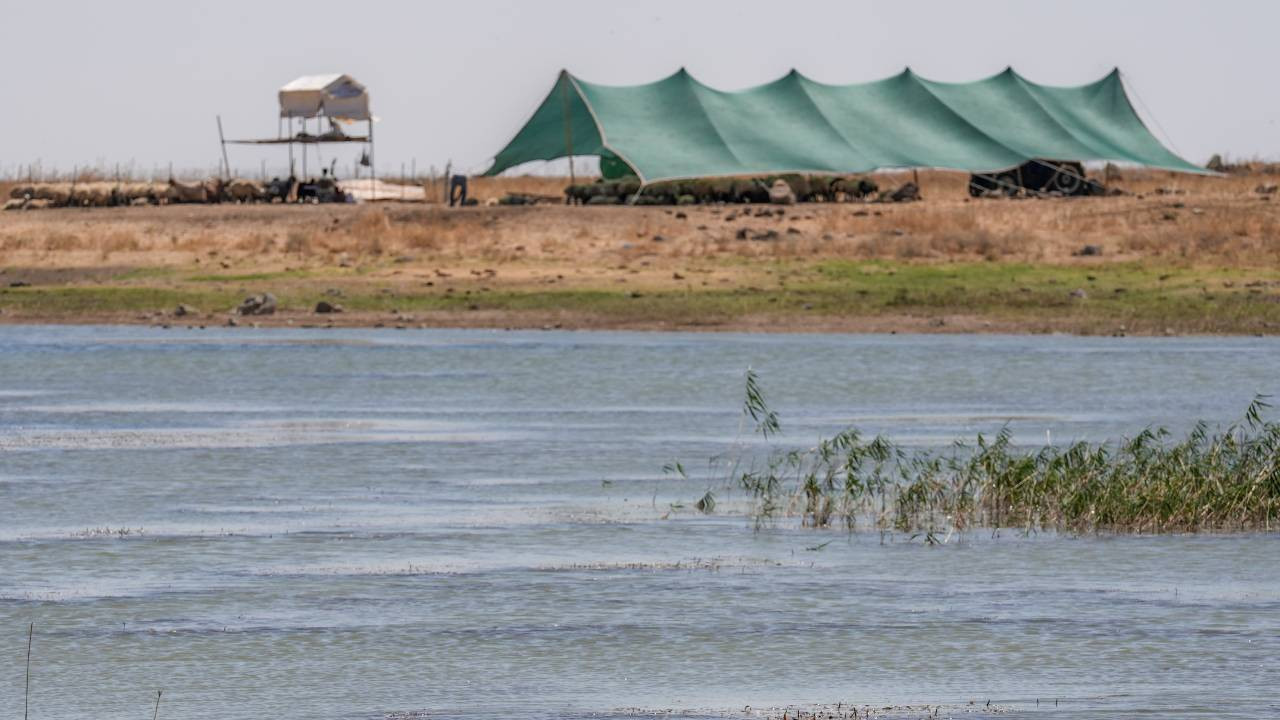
column 1175, row 254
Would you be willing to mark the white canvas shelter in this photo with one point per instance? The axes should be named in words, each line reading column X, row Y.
column 335, row 96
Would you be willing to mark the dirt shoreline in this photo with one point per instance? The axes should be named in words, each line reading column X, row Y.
column 481, row 320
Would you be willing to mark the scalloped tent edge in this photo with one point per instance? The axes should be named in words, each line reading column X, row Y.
column 678, row 127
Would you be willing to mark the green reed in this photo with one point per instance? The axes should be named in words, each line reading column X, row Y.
column 1149, row 483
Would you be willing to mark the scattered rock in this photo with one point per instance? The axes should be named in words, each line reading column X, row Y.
column 325, row 307
column 681, row 216
column 676, row 276
column 1266, row 189
column 1088, row 250
column 183, row 310
column 19, row 283
column 1079, row 294
column 261, row 304
column 231, row 322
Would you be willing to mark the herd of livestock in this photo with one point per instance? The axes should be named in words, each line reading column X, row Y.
column 802, row 188
column 33, row 196
column 1037, row 179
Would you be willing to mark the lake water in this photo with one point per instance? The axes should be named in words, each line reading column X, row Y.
column 362, row 524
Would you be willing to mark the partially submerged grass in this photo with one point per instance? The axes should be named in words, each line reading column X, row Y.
column 1226, row 480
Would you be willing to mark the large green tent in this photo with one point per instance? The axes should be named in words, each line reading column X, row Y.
column 680, row 128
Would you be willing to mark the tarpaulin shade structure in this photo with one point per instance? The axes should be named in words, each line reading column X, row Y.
column 680, row 128
column 335, row 96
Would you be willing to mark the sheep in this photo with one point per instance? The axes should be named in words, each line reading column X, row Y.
column 56, row 194
column 241, row 190
column 780, row 193
column 183, row 193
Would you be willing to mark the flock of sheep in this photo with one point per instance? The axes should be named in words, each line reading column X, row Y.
column 802, row 188
column 111, row 194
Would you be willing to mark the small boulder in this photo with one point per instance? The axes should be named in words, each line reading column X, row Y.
column 183, row 310
column 260, row 304
column 1079, row 294
column 325, row 307
column 1089, row 250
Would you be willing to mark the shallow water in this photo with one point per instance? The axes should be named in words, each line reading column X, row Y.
column 337, row 524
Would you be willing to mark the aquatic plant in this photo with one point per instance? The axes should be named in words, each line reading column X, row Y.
column 1149, row 483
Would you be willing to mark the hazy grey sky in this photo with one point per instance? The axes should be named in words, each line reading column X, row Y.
column 106, row 82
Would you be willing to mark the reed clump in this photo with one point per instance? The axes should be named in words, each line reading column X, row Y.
column 1226, row 480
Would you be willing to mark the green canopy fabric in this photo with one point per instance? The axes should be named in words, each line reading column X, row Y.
column 680, row 128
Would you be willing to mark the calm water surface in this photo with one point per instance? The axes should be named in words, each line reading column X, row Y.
column 356, row 524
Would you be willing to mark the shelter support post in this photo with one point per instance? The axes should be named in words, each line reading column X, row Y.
column 568, row 127
column 304, row 151
column 226, row 164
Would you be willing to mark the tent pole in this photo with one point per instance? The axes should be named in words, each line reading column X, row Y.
column 568, row 128
column 373, row 169
column 226, row 164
